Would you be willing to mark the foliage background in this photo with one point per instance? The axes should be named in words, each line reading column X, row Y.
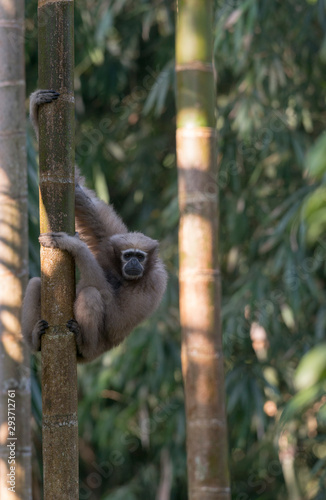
column 270, row 60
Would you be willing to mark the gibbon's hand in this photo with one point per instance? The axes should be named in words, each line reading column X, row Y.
column 55, row 240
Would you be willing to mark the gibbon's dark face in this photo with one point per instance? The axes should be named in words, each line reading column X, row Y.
column 133, row 263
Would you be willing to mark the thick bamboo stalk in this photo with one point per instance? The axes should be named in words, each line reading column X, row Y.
column 200, row 292
column 56, row 143
column 15, row 404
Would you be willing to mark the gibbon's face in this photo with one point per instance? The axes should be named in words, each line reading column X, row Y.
column 133, row 263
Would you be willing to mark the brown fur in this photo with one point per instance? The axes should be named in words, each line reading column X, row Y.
column 108, row 306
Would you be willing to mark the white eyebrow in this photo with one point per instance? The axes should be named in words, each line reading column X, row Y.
column 134, row 250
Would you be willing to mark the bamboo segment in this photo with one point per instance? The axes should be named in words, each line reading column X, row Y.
column 200, row 289
column 59, row 373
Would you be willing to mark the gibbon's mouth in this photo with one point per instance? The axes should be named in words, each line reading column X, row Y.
column 133, row 273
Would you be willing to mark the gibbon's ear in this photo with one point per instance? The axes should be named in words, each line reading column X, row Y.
column 133, row 240
column 153, row 246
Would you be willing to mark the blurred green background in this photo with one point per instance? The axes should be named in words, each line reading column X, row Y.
column 270, row 58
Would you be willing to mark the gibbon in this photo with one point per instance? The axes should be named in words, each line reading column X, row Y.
column 122, row 277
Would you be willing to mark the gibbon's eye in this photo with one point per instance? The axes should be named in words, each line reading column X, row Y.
column 128, row 255
column 140, row 256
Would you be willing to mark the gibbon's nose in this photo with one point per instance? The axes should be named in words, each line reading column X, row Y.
column 134, row 268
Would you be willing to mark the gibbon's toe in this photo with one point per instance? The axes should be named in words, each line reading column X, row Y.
column 42, row 326
column 72, row 326
column 37, row 333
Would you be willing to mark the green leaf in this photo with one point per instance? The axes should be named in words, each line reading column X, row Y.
column 314, row 213
column 312, row 368
column 316, row 158
column 304, row 399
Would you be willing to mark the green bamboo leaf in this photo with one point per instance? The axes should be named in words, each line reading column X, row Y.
column 103, row 27
column 315, row 202
column 322, row 414
column 314, row 213
column 312, row 368
column 157, row 95
column 320, row 324
column 301, row 401
column 322, row 51
column 316, row 158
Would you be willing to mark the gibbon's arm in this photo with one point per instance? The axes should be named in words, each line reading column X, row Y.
column 88, row 225
column 91, row 272
column 95, row 219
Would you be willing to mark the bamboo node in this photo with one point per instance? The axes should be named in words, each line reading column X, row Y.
column 196, row 197
column 205, row 422
column 211, row 489
column 195, row 66
column 51, row 421
column 196, row 132
column 12, row 83
column 199, row 353
column 199, row 274
column 7, row 23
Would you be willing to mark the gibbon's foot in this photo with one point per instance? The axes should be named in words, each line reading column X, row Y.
column 73, row 326
column 37, row 333
column 45, row 96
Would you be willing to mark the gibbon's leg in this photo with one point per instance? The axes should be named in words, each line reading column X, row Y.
column 36, row 99
column 32, row 326
column 89, row 314
column 89, row 306
column 91, row 272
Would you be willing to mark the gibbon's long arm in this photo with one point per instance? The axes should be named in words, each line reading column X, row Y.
column 95, row 220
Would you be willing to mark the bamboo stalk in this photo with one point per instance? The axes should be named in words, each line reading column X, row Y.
column 200, row 291
column 15, row 394
column 56, row 143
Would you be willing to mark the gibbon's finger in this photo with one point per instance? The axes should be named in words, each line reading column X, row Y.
column 48, row 92
column 48, row 99
column 54, row 234
column 46, row 96
column 53, row 93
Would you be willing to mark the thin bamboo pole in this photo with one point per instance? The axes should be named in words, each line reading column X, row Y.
column 15, row 394
column 202, row 357
column 56, row 146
